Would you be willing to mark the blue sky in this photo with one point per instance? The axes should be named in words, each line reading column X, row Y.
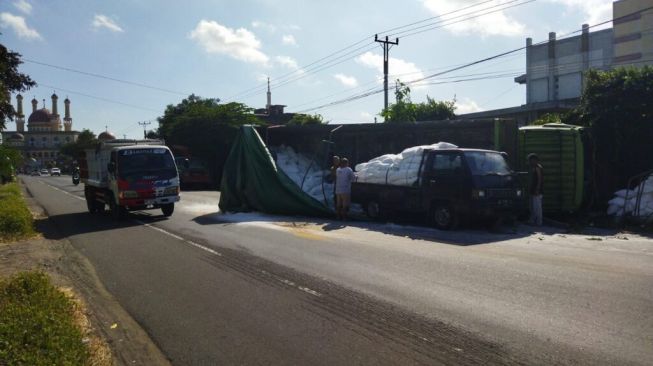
column 222, row 48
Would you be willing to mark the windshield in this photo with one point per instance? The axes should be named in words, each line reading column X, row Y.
column 486, row 163
column 156, row 161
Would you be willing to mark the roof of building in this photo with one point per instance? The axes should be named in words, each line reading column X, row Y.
column 17, row 136
column 106, row 135
column 41, row 115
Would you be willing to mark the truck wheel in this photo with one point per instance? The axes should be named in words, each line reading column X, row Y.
column 444, row 217
column 373, row 210
column 90, row 201
column 117, row 212
column 168, row 209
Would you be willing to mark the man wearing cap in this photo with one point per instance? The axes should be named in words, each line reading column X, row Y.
column 536, row 183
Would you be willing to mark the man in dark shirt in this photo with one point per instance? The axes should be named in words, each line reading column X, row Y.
column 537, row 181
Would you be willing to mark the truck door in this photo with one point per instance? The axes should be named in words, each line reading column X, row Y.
column 444, row 178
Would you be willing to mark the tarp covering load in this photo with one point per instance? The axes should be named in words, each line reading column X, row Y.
column 305, row 172
column 252, row 182
column 397, row 169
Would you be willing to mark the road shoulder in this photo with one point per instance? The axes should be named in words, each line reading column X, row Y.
column 68, row 268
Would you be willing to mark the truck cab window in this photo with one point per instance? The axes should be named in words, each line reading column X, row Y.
column 447, row 164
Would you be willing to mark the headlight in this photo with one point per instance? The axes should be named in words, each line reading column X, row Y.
column 128, row 194
column 171, row 190
column 519, row 193
column 478, row 193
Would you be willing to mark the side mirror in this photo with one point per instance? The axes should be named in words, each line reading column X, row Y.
column 504, row 154
column 186, row 163
column 111, row 167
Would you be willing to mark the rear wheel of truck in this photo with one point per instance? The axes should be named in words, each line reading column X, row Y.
column 444, row 217
column 91, row 201
column 373, row 210
column 168, row 209
column 117, row 212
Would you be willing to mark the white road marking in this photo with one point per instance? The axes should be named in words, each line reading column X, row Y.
column 172, row 235
column 192, row 243
column 62, row 191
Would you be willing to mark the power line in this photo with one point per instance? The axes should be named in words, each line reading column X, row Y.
column 372, row 92
column 304, row 72
column 99, row 76
column 99, row 98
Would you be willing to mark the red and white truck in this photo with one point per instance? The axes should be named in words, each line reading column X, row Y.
column 129, row 175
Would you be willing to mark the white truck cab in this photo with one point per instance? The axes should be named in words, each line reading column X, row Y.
column 130, row 175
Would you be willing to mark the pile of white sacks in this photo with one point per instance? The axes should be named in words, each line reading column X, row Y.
column 396, row 169
column 619, row 202
column 305, row 172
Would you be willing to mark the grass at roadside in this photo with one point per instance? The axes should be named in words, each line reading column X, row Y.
column 37, row 323
column 16, row 221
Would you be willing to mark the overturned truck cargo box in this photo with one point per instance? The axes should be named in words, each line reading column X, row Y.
column 251, row 181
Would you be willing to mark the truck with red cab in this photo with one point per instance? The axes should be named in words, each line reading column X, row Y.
column 129, row 175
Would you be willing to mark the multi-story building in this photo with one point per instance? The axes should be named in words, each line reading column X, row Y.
column 45, row 133
column 633, row 32
column 555, row 69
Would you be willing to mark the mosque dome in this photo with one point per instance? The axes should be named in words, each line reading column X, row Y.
column 41, row 115
column 105, row 136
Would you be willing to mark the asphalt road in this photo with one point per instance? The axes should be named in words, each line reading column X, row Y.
column 252, row 289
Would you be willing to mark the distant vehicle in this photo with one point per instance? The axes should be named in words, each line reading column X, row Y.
column 55, row 172
column 193, row 173
column 129, row 175
column 34, row 173
column 44, row 172
column 453, row 183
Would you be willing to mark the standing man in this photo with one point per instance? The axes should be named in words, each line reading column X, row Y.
column 344, row 178
column 334, row 167
column 536, row 191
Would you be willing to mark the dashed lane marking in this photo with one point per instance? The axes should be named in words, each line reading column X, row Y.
column 192, row 243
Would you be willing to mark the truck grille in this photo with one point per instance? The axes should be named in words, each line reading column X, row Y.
column 501, row 193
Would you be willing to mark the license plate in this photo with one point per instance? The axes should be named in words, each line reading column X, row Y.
column 504, row 203
column 149, row 202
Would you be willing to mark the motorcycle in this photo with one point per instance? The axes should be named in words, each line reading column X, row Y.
column 76, row 177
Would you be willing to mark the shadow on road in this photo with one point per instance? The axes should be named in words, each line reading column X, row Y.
column 77, row 223
column 472, row 234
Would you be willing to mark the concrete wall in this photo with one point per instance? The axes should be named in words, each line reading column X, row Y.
column 362, row 142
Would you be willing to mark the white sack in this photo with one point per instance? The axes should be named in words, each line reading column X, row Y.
column 396, row 169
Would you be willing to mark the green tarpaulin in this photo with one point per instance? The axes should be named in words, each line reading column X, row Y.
column 252, row 182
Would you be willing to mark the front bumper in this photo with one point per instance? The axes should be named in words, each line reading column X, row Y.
column 142, row 203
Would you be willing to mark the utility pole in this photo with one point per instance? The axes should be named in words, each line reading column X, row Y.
column 386, row 44
column 144, row 124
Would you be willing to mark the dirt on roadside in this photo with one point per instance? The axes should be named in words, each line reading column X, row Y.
column 107, row 322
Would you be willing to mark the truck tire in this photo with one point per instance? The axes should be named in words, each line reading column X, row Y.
column 117, row 212
column 91, row 202
column 373, row 210
column 444, row 217
column 168, row 209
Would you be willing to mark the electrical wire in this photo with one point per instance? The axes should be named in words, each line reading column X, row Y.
column 99, row 76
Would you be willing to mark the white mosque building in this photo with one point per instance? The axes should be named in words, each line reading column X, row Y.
column 45, row 133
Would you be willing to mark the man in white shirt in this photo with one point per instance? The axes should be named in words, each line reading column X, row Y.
column 344, row 177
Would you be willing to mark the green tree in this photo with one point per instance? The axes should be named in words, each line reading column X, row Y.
column 85, row 140
column 10, row 159
column 548, row 118
column 618, row 107
column 404, row 110
column 206, row 127
column 11, row 81
column 433, row 110
column 306, row 119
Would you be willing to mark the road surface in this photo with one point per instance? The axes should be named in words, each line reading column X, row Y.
column 214, row 288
